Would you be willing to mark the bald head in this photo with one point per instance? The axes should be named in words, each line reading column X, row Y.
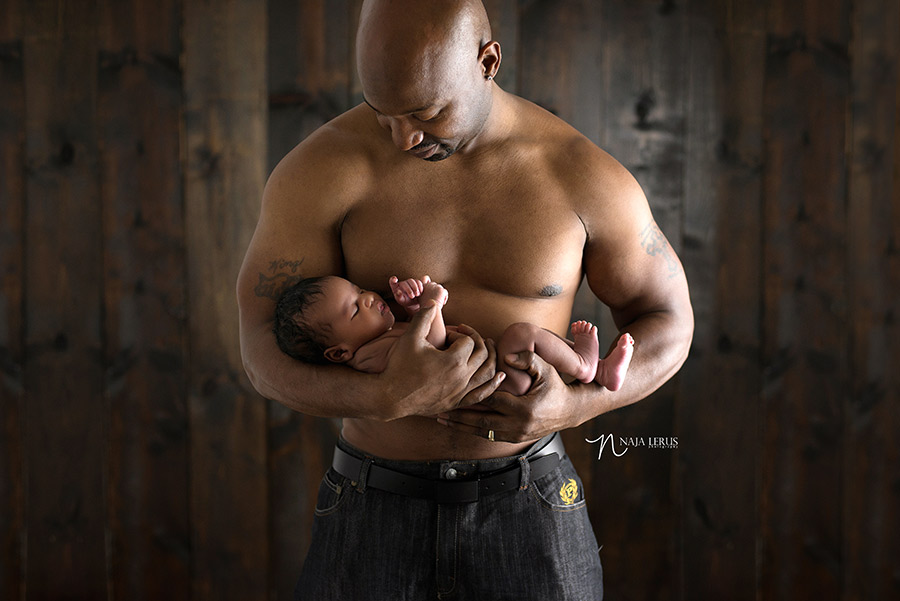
column 426, row 67
column 394, row 29
column 400, row 40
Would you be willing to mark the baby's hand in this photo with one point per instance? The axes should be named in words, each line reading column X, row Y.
column 436, row 292
column 407, row 292
column 411, row 293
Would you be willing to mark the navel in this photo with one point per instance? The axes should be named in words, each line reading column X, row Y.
column 551, row 290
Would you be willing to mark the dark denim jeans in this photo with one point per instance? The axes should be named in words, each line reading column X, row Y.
column 531, row 543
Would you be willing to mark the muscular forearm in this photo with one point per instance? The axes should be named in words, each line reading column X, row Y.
column 419, row 379
column 319, row 390
column 662, row 341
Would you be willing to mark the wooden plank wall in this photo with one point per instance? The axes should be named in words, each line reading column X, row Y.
column 145, row 314
column 135, row 137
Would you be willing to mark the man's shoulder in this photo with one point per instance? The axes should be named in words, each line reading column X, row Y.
column 546, row 137
column 558, row 151
column 592, row 181
column 335, row 160
column 350, row 135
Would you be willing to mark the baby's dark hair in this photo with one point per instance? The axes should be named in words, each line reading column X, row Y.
column 296, row 335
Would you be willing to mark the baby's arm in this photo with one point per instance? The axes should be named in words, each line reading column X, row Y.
column 437, row 294
column 412, row 294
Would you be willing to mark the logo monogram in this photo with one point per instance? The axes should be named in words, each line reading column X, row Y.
column 569, row 492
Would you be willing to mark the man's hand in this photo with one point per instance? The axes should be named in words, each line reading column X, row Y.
column 422, row 380
column 547, row 407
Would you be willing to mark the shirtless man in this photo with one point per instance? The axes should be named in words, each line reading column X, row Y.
column 443, row 172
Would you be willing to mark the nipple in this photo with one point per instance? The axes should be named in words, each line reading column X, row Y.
column 551, row 290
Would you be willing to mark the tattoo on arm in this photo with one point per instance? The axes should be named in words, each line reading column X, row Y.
column 654, row 243
column 280, row 274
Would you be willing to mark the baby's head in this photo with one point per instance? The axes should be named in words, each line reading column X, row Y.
column 328, row 318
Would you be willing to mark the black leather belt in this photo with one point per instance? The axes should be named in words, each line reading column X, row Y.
column 541, row 463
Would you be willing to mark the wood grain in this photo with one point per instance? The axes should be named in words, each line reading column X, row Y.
column 12, row 308
column 136, row 461
column 224, row 155
column 65, row 414
column 871, row 464
column 145, row 312
column 804, row 299
column 718, row 420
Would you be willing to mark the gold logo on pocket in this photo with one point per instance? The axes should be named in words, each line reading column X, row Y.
column 569, row 492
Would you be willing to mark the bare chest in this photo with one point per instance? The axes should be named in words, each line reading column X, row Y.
column 517, row 239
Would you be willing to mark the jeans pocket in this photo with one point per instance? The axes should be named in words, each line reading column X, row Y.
column 560, row 490
column 332, row 491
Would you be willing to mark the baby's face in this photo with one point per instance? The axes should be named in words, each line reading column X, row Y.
column 356, row 316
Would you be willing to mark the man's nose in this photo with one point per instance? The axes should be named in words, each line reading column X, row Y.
column 405, row 136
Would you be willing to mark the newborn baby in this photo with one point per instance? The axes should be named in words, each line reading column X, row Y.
column 328, row 318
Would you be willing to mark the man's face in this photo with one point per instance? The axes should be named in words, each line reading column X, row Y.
column 434, row 110
column 352, row 315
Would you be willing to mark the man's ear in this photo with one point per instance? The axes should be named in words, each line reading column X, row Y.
column 338, row 353
column 490, row 57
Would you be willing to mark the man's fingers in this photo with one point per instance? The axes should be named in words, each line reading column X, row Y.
column 482, row 392
column 480, row 357
column 525, row 361
column 467, row 330
column 459, row 341
column 488, row 366
column 480, row 352
column 420, row 324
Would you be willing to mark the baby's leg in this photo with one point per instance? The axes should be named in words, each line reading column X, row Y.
column 584, row 333
column 611, row 371
column 575, row 360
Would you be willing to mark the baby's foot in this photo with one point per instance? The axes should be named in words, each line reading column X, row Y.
column 611, row 371
column 587, row 347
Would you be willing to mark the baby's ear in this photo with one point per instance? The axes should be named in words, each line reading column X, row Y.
column 338, row 354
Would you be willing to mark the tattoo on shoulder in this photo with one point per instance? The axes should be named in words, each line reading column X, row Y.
column 654, row 243
column 281, row 274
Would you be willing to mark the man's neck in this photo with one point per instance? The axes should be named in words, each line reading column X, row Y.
column 497, row 127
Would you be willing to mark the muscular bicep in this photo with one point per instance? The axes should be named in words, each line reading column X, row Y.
column 297, row 236
column 280, row 254
column 629, row 262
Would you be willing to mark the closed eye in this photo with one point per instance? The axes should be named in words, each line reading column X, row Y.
column 355, row 308
column 425, row 118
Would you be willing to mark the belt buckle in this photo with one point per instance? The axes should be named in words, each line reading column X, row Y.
column 464, row 491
